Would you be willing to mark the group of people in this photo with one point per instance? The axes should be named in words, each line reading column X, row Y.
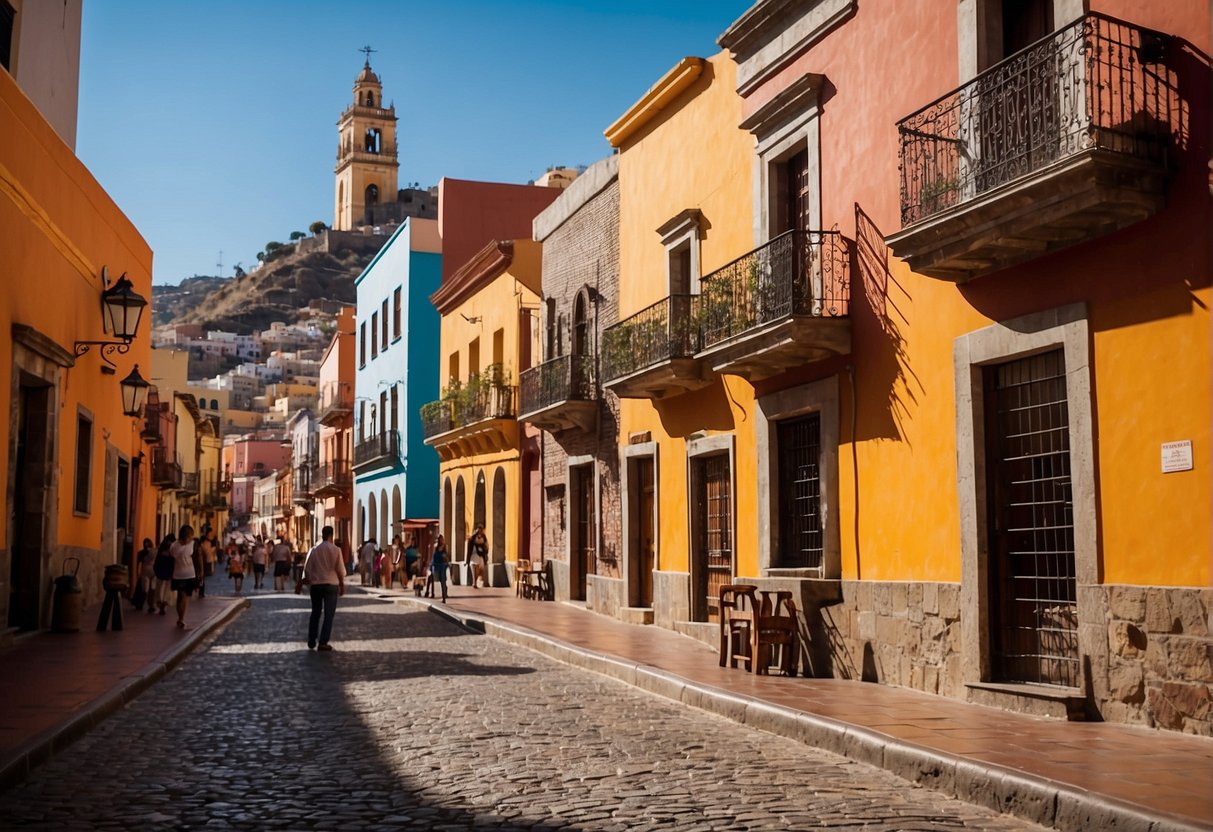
column 400, row 560
column 258, row 556
column 180, row 565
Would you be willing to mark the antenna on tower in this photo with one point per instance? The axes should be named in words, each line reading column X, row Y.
column 220, row 263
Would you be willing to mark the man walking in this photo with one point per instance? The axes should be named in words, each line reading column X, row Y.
column 281, row 555
column 324, row 573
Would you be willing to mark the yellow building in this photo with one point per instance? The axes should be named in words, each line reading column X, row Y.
column 484, row 307
column 75, row 465
column 945, row 411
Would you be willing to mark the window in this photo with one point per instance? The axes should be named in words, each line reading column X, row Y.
column 396, row 313
column 453, row 367
column 374, row 334
column 84, row 464
column 362, row 344
column 395, row 406
column 553, row 346
column 800, row 538
column 474, row 357
column 680, row 236
column 6, row 35
column 383, row 318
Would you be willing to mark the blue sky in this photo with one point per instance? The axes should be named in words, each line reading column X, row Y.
column 213, row 124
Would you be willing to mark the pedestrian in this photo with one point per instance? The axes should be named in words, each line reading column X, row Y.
column 410, row 561
column 185, row 574
column 438, row 565
column 206, row 558
column 478, row 555
column 366, row 558
column 376, row 568
column 260, row 556
column 324, row 574
column 281, row 556
column 147, row 575
column 235, row 566
column 396, row 564
column 162, row 568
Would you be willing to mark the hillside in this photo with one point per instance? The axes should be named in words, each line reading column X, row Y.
column 169, row 302
column 279, row 291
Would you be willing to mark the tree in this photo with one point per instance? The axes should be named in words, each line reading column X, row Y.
column 317, row 227
column 260, row 256
column 297, row 235
column 272, row 246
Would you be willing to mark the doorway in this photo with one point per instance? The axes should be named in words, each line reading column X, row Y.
column 1032, row 573
column 643, row 540
column 712, row 548
column 29, row 517
column 583, row 548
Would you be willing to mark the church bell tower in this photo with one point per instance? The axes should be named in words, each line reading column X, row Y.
column 367, row 169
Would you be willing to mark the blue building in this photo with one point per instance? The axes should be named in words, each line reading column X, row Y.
column 397, row 337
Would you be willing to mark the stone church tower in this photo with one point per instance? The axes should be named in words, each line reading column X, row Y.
column 367, row 168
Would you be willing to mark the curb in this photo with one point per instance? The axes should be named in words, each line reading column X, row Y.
column 1000, row 789
column 41, row 748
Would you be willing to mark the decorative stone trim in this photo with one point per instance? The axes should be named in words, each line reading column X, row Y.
column 667, row 88
column 773, row 33
column 628, row 489
column 43, row 345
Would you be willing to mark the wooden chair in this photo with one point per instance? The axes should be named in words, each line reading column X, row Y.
column 776, row 628
column 738, row 613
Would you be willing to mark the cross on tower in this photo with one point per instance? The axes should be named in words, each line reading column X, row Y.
column 368, row 52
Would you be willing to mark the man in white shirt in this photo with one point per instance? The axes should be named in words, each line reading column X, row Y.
column 324, row 573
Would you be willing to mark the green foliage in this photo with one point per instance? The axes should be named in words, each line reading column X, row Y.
column 317, row 227
column 297, row 235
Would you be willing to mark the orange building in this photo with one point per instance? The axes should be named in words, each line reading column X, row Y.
column 76, row 467
column 921, row 335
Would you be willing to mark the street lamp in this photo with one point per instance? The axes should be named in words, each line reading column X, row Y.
column 121, row 312
column 134, row 388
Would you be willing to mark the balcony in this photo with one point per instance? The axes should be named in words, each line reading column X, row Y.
column 166, row 475
column 333, row 479
column 336, row 404
column 560, row 394
column 379, row 451
column 652, row 354
column 214, row 500
column 782, row 305
column 478, row 417
column 1062, row 142
column 188, row 483
column 284, row 510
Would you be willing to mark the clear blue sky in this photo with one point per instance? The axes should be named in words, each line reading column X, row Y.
column 213, row 124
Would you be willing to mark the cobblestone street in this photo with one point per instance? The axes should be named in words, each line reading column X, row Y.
column 412, row 723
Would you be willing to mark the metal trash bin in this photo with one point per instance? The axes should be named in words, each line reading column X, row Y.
column 68, row 600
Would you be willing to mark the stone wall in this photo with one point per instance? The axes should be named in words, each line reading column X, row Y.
column 581, row 257
column 1150, row 662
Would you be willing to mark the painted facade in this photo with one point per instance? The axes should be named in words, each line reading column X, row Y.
column 394, row 471
column 75, row 466
column 334, row 482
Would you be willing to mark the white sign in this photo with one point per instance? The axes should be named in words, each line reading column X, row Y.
column 1177, row 456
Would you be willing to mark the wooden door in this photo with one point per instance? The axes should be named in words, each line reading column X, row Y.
column 583, row 526
column 646, row 562
column 712, row 565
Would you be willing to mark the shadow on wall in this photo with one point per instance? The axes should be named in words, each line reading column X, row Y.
column 886, row 368
column 706, row 409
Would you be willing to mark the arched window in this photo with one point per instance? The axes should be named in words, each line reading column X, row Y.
column 214, row 404
column 370, row 99
column 581, row 326
column 372, row 140
column 372, row 194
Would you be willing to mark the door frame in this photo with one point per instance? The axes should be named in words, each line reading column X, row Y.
column 628, row 488
column 1065, row 327
column 697, row 449
column 578, row 575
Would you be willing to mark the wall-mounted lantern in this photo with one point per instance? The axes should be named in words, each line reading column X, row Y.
column 121, row 311
column 134, row 389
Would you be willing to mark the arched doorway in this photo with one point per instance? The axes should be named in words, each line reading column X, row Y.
column 581, row 326
column 459, row 521
column 448, row 507
column 479, row 509
column 371, row 518
column 361, row 514
column 497, row 539
column 385, row 529
column 396, row 510
column 372, row 194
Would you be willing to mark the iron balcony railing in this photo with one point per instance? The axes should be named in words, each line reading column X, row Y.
column 214, row 499
column 797, row 273
column 189, row 482
column 166, row 474
column 658, row 333
column 561, row 379
column 336, row 402
column 477, row 401
column 334, row 474
column 1099, row 83
column 383, row 446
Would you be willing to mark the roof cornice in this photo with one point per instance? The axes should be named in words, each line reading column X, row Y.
column 474, row 275
column 669, row 87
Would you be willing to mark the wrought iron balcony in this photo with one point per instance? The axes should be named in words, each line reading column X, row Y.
column 379, row 451
column 166, row 474
column 1062, row 142
column 333, row 479
column 559, row 393
column 336, row 403
column 652, row 353
column 781, row 305
column 189, row 483
column 478, row 416
column 214, row 499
